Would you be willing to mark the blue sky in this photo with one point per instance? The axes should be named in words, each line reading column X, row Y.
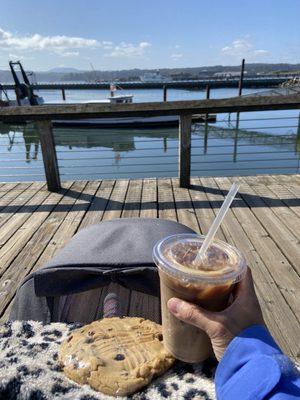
column 122, row 34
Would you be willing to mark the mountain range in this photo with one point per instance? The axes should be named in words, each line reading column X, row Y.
column 63, row 74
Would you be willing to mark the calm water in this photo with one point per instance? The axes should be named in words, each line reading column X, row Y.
column 262, row 142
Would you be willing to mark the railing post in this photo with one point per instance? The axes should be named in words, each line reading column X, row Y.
column 185, row 125
column 165, row 93
column 241, row 81
column 63, row 93
column 49, row 155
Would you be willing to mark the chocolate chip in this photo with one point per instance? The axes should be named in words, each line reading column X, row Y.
column 119, row 357
column 160, row 337
column 91, row 333
column 70, row 338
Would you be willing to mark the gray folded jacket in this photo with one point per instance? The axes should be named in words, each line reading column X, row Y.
column 118, row 250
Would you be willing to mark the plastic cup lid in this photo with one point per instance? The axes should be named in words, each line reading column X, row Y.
column 175, row 256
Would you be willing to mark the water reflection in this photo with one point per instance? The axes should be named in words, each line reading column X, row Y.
column 154, row 152
column 118, row 140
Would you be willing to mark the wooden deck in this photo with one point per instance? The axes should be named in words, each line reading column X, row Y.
column 264, row 222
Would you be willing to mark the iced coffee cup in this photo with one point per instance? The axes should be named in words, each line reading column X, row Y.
column 207, row 284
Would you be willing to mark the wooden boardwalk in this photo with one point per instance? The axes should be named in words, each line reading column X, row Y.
column 264, row 222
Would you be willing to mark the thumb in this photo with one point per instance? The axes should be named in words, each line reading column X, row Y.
column 191, row 314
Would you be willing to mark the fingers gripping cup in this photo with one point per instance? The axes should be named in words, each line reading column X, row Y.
column 207, row 284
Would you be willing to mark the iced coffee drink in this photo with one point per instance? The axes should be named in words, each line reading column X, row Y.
column 207, row 284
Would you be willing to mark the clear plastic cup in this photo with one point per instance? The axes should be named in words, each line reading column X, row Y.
column 208, row 285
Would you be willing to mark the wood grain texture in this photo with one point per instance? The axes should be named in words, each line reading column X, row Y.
column 94, row 110
column 49, row 155
column 263, row 222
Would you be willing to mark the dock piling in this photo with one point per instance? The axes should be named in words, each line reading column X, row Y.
column 49, row 155
column 165, row 92
column 241, row 81
column 185, row 125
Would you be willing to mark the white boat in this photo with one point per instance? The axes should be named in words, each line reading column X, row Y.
column 125, row 122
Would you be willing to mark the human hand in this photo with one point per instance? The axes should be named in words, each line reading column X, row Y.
column 223, row 326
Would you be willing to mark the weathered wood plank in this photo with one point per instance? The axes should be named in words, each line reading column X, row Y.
column 49, row 155
column 12, row 248
column 184, row 207
column 10, row 195
column 6, row 187
column 149, row 199
column 287, row 179
column 13, row 201
column 288, row 244
column 166, row 204
column 280, row 269
column 32, row 200
column 286, row 216
column 98, row 204
column 94, row 110
column 202, row 207
column 4, row 317
column 116, row 201
column 132, row 203
column 145, row 306
column 289, row 199
column 55, row 221
column 275, row 309
column 80, row 307
column 83, row 193
column 26, row 259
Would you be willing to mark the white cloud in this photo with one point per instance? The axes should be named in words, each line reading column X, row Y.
column 68, row 53
column 107, row 45
column 176, row 56
column 36, row 41
column 240, row 48
column 15, row 57
column 260, row 52
column 67, row 46
column 129, row 50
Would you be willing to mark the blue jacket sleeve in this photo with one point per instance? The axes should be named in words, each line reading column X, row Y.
column 254, row 368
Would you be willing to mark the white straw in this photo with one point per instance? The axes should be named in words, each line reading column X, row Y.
column 217, row 222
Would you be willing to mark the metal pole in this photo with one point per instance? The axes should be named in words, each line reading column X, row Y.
column 238, row 114
column 206, row 121
column 235, row 149
column 297, row 149
column 165, row 93
column 241, row 77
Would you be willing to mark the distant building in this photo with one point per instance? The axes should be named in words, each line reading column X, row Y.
column 228, row 74
column 152, row 77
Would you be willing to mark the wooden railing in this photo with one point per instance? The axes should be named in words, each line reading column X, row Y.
column 45, row 114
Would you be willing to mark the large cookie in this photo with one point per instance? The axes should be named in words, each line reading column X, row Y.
column 116, row 356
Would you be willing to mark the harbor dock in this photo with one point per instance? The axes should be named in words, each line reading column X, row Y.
column 248, row 82
column 263, row 222
column 39, row 218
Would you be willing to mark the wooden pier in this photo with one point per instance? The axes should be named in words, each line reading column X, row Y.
column 249, row 82
column 45, row 114
column 264, row 223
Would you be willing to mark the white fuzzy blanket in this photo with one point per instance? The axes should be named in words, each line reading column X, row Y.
column 29, row 369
